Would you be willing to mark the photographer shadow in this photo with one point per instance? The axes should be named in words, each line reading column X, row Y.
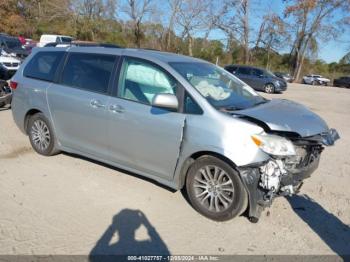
column 327, row 226
column 125, row 224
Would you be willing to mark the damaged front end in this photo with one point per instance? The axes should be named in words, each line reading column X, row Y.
column 283, row 175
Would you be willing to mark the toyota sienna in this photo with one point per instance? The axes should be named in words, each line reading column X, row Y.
column 181, row 121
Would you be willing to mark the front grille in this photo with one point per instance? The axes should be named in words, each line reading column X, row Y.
column 312, row 153
column 304, row 157
column 10, row 64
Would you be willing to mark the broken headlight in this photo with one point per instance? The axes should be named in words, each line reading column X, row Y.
column 274, row 145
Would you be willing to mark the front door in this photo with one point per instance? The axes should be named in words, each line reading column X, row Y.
column 143, row 137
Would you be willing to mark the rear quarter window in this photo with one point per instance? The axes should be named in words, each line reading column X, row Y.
column 43, row 65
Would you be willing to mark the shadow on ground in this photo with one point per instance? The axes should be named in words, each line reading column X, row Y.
column 125, row 224
column 327, row 226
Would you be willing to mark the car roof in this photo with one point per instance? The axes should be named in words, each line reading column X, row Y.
column 9, row 37
column 165, row 57
column 56, row 35
column 245, row 66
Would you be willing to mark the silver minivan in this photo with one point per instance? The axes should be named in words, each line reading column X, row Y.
column 181, row 121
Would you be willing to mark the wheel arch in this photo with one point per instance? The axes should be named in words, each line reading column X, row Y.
column 190, row 160
column 28, row 115
column 269, row 83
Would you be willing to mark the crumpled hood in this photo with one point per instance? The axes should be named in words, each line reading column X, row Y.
column 285, row 115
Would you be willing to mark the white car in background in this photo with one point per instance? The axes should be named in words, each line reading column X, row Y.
column 60, row 39
column 315, row 80
column 9, row 64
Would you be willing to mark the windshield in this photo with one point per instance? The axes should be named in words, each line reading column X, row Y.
column 221, row 89
column 66, row 39
column 269, row 73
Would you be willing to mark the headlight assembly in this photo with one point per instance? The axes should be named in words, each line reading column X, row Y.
column 274, row 145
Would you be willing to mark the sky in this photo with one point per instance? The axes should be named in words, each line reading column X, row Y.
column 330, row 51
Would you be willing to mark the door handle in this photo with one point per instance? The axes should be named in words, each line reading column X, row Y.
column 116, row 109
column 96, row 103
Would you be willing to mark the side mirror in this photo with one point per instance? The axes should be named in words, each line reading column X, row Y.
column 168, row 101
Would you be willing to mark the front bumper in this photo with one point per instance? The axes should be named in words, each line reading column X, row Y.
column 263, row 184
column 281, row 87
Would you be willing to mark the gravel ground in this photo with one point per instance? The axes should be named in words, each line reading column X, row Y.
column 70, row 205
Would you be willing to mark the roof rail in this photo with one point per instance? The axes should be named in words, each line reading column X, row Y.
column 83, row 44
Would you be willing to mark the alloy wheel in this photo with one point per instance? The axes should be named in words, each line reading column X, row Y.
column 269, row 88
column 40, row 135
column 213, row 188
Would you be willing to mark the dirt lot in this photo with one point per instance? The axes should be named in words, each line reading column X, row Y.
column 69, row 205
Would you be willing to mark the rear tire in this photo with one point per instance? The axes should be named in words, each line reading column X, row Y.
column 215, row 189
column 41, row 135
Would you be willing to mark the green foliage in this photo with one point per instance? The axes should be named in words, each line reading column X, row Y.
column 95, row 20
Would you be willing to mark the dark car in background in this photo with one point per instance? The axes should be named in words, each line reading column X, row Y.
column 286, row 76
column 343, row 81
column 12, row 46
column 258, row 78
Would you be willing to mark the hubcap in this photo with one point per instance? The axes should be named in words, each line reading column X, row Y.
column 268, row 89
column 40, row 135
column 213, row 188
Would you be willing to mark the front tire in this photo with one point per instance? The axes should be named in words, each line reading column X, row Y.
column 215, row 189
column 269, row 88
column 41, row 135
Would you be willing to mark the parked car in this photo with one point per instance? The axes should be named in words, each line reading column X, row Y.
column 286, row 76
column 61, row 39
column 30, row 44
column 8, row 65
column 5, row 93
column 181, row 121
column 259, row 79
column 343, row 81
column 315, row 80
column 12, row 46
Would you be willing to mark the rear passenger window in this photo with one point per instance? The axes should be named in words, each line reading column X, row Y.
column 43, row 65
column 231, row 69
column 257, row 72
column 243, row 71
column 88, row 71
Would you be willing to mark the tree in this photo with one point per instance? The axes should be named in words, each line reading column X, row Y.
column 233, row 20
column 310, row 18
column 190, row 18
column 137, row 12
column 174, row 7
column 272, row 35
column 91, row 15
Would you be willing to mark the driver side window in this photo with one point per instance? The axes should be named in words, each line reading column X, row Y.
column 141, row 81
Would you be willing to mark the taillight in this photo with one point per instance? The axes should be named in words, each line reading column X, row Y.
column 13, row 84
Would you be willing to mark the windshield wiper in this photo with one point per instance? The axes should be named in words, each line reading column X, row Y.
column 229, row 108
column 261, row 102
